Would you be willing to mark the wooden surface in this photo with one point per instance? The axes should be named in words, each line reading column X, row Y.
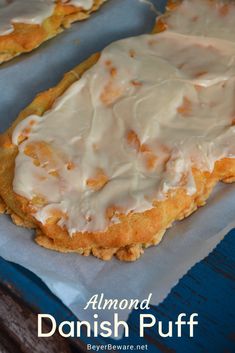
column 18, row 327
column 207, row 289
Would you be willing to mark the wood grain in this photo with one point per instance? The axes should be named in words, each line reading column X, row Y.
column 18, row 327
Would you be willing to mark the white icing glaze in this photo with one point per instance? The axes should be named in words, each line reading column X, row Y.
column 174, row 91
column 84, row 4
column 31, row 11
column 213, row 18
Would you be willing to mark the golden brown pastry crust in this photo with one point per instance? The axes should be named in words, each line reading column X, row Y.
column 136, row 231
column 27, row 37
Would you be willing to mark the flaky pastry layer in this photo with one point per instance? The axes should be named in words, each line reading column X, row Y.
column 27, row 37
column 136, row 231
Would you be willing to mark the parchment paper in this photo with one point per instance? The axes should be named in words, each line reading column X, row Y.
column 73, row 278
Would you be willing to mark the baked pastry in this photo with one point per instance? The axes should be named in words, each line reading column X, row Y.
column 25, row 24
column 129, row 141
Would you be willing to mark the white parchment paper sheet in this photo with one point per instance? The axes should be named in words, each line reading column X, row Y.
column 73, row 278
